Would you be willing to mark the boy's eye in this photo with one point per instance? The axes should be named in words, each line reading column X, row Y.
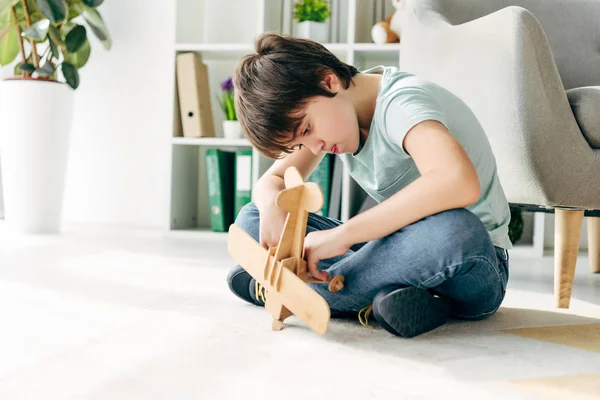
column 306, row 130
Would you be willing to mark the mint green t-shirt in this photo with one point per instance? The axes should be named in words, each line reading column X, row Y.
column 382, row 167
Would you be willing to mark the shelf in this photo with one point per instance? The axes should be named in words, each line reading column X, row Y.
column 525, row 251
column 217, row 51
column 373, row 47
column 336, row 46
column 220, row 47
column 240, row 47
column 249, row 47
column 210, row 142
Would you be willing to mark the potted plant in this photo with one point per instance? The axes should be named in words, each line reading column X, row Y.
column 47, row 40
column 231, row 125
column 311, row 16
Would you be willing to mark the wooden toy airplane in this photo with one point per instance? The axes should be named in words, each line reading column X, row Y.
column 282, row 270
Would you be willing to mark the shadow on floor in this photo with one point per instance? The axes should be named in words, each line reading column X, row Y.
column 474, row 350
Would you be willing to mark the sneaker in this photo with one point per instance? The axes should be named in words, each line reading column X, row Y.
column 409, row 311
column 257, row 292
column 245, row 287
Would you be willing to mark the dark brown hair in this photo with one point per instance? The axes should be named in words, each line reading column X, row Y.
column 273, row 86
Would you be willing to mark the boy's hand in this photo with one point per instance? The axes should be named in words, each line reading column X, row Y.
column 321, row 245
column 271, row 224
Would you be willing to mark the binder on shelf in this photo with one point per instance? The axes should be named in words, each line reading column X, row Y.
column 243, row 179
column 322, row 177
column 194, row 96
column 219, row 175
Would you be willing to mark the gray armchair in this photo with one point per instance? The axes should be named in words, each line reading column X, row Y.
column 530, row 70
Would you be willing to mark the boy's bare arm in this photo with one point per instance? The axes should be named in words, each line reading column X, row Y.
column 448, row 180
column 271, row 183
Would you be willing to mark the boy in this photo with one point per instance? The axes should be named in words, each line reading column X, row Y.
column 436, row 245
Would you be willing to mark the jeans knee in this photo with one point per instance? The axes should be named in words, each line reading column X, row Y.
column 452, row 237
column 248, row 219
column 460, row 223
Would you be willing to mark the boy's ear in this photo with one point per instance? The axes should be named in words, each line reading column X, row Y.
column 331, row 82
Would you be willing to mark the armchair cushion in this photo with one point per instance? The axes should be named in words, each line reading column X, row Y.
column 585, row 102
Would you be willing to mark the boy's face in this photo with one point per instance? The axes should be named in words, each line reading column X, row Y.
column 330, row 124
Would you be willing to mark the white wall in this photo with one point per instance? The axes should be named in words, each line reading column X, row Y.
column 119, row 156
column 1, row 196
column 5, row 72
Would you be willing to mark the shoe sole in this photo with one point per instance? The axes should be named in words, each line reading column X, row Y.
column 409, row 312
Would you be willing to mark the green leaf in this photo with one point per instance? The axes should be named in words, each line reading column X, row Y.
column 56, row 37
column 96, row 23
column 76, row 38
column 80, row 58
column 6, row 5
column 37, row 31
column 46, row 70
column 5, row 31
column 27, row 68
column 93, row 3
column 53, row 49
column 34, row 14
column 65, row 29
column 6, row 20
column 9, row 45
column 311, row 10
column 75, row 9
column 54, row 10
column 71, row 75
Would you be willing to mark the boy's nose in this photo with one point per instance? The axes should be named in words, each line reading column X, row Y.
column 316, row 147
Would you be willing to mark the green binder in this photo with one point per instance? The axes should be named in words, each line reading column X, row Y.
column 322, row 177
column 219, row 174
column 243, row 179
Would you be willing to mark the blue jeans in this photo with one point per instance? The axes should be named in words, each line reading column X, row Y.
column 449, row 253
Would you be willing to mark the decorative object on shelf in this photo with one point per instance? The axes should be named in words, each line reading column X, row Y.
column 515, row 227
column 388, row 31
column 36, row 107
column 310, row 16
column 231, row 126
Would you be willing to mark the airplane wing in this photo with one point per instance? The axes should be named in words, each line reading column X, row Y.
column 247, row 252
column 304, row 302
column 293, row 292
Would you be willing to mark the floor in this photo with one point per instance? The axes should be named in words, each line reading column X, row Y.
column 103, row 313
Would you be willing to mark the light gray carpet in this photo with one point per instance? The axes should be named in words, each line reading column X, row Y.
column 103, row 314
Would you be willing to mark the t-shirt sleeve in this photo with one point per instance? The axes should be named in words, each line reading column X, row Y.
column 408, row 107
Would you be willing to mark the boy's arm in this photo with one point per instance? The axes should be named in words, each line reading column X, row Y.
column 448, row 180
column 271, row 182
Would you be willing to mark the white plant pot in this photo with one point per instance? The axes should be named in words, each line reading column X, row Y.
column 232, row 130
column 316, row 31
column 35, row 118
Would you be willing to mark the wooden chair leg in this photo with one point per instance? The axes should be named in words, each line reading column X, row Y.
column 593, row 224
column 566, row 246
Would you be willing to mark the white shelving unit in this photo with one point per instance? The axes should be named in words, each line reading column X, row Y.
column 200, row 29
